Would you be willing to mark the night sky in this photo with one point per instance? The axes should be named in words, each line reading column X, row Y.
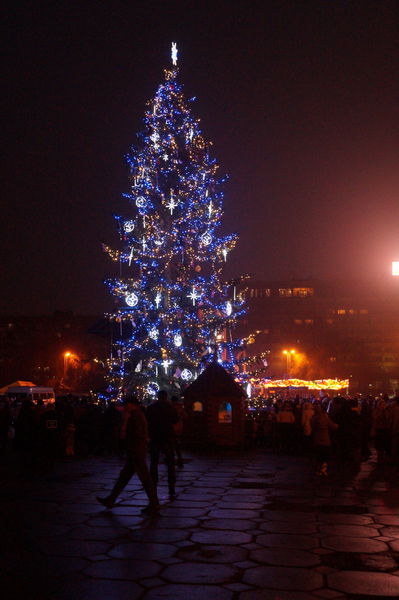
column 300, row 99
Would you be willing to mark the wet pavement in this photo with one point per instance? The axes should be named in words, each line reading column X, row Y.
column 244, row 526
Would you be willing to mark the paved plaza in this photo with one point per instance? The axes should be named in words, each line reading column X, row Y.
column 244, row 526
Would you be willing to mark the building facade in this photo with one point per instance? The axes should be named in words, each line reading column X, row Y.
column 317, row 329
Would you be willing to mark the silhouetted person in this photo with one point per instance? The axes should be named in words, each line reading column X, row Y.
column 135, row 433
column 322, row 425
column 393, row 424
column 26, row 437
column 178, row 428
column 111, row 426
column 5, row 422
column 366, row 419
column 381, row 432
column 162, row 416
column 351, row 435
column 48, row 436
column 285, row 427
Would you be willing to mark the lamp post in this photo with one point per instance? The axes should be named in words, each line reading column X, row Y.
column 288, row 355
column 66, row 357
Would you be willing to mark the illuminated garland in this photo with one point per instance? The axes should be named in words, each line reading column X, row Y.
column 173, row 310
column 263, row 393
column 318, row 384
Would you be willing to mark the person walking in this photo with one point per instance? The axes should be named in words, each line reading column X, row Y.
column 162, row 416
column 134, row 431
column 321, row 427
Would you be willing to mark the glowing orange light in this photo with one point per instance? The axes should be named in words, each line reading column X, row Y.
column 318, row 384
column 395, row 268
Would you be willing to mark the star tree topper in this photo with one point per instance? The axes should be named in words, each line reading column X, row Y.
column 174, row 54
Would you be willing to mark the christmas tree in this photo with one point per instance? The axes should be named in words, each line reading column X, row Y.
column 174, row 314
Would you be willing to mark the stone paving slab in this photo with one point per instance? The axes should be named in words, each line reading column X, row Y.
column 229, row 524
column 284, row 578
column 284, row 536
column 285, row 558
column 289, row 527
column 387, row 520
column 196, row 572
column 370, row 584
column 221, row 537
column 275, row 540
column 88, row 589
column 189, row 592
column 344, row 519
column 366, row 531
column 353, row 544
column 264, row 594
column 214, row 554
column 137, row 549
column 130, row 569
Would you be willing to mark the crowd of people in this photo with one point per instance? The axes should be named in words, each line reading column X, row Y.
column 39, row 433
column 345, row 429
column 340, row 427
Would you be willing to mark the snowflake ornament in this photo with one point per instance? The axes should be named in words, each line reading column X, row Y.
column 186, row 375
column 129, row 226
column 131, row 299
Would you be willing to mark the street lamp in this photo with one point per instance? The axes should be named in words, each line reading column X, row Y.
column 288, row 355
column 67, row 355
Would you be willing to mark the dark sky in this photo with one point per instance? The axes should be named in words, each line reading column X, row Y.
column 300, row 99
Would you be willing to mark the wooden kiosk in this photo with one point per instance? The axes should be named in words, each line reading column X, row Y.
column 214, row 403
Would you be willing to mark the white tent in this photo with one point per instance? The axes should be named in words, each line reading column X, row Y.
column 14, row 384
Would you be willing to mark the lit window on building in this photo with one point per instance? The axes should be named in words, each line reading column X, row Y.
column 285, row 292
column 333, row 358
column 309, row 321
column 352, row 311
column 303, row 292
column 298, row 321
column 341, row 311
column 198, row 407
column 268, row 292
column 225, row 413
column 329, row 321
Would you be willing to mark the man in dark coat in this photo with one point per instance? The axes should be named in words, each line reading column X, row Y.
column 161, row 416
column 135, row 433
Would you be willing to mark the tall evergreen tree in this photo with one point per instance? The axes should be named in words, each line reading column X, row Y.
column 174, row 314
